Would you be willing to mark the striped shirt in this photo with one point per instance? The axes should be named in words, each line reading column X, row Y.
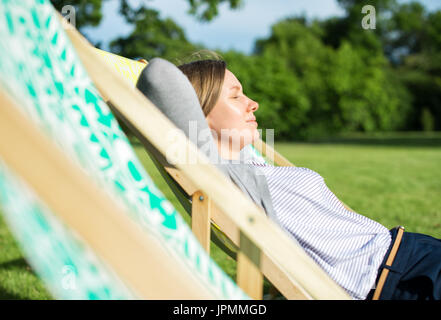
column 348, row 246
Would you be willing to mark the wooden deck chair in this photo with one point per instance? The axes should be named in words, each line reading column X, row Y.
column 263, row 246
column 186, row 193
column 130, row 70
column 183, row 190
column 62, row 151
column 192, row 200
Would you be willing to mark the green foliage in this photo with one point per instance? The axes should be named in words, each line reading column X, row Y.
column 419, row 37
column 151, row 37
column 344, row 78
column 88, row 11
column 206, row 10
column 308, row 89
column 314, row 78
column 427, row 120
column 265, row 80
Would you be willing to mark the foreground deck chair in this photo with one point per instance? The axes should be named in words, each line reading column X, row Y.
column 89, row 219
column 261, row 242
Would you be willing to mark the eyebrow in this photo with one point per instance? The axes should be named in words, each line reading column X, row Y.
column 236, row 87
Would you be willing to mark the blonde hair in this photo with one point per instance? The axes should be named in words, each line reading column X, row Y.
column 207, row 78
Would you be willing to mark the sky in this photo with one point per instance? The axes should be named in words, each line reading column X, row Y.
column 232, row 29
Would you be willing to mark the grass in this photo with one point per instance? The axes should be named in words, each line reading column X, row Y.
column 17, row 280
column 394, row 179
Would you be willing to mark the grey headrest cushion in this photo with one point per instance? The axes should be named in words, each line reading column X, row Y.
column 171, row 91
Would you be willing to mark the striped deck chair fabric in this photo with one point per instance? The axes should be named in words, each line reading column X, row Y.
column 40, row 70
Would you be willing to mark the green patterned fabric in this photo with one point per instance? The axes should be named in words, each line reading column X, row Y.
column 68, row 268
column 41, row 71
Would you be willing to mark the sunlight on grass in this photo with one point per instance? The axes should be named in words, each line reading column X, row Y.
column 386, row 180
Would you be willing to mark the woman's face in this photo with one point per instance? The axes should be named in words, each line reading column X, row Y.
column 233, row 117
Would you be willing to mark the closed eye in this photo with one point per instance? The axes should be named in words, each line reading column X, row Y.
column 236, row 92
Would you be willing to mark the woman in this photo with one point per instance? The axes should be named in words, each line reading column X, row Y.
column 351, row 248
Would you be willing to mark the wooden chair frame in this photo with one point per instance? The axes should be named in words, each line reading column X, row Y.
column 264, row 247
column 78, row 201
column 204, row 213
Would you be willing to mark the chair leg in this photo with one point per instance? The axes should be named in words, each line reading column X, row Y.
column 249, row 277
column 200, row 218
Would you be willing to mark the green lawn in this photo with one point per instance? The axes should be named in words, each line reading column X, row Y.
column 393, row 179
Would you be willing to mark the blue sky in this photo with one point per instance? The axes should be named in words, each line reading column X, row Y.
column 232, row 29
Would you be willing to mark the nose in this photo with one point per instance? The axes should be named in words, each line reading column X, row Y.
column 253, row 105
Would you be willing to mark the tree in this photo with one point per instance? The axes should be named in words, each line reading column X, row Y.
column 206, row 10
column 308, row 89
column 315, row 78
column 151, row 36
column 409, row 37
column 90, row 13
column 349, row 27
column 415, row 49
column 283, row 104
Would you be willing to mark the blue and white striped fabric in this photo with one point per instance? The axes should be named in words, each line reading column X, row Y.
column 347, row 245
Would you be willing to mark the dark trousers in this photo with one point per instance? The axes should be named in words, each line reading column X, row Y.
column 416, row 271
